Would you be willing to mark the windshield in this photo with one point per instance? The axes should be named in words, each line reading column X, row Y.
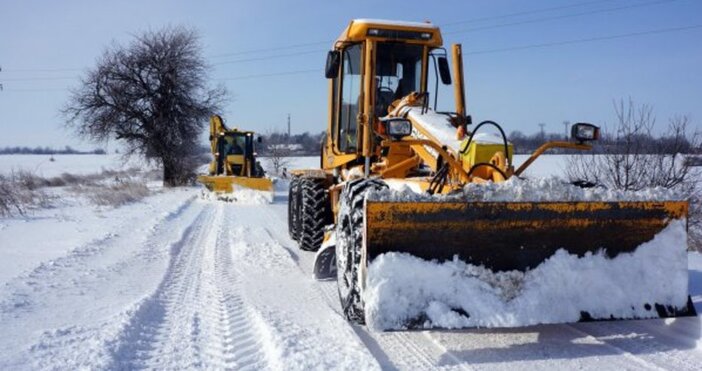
column 398, row 72
column 234, row 144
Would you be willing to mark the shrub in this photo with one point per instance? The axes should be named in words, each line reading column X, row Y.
column 117, row 194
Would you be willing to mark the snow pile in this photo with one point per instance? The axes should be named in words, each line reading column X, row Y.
column 241, row 196
column 402, row 290
column 528, row 190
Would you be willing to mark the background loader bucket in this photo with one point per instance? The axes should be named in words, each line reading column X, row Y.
column 507, row 236
column 228, row 184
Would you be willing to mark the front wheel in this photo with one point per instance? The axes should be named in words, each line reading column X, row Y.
column 349, row 239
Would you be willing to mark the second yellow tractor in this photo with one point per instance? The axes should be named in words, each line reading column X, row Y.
column 234, row 164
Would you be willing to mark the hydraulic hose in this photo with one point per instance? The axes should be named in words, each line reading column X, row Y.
column 502, row 132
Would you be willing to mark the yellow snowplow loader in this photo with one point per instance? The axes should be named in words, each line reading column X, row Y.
column 385, row 136
column 234, row 163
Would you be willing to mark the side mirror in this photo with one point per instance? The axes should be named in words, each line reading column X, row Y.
column 584, row 132
column 444, row 70
column 259, row 139
column 331, row 70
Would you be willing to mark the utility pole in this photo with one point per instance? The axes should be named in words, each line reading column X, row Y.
column 0, row 83
column 566, row 125
column 288, row 126
column 542, row 125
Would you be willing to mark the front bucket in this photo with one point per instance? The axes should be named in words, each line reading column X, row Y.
column 504, row 236
column 228, row 184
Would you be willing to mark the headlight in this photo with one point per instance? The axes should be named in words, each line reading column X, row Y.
column 583, row 132
column 397, row 128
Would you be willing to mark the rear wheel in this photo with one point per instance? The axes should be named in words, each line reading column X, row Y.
column 349, row 239
column 314, row 213
column 293, row 208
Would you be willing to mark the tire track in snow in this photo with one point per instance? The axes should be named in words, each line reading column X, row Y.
column 159, row 329
column 646, row 341
column 196, row 319
column 242, row 340
column 392, row 350
column 74, row 286
column 81, row 259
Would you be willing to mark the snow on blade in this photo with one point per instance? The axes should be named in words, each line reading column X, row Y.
column 527, row 190
column 403, row 290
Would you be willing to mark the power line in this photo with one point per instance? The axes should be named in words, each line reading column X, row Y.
column 45, row 70
column 293, row 46
column 41, row 78
column 268, row 57
column 590, row 39
column 539, row 20
column 284, row 73
column 34, row 90
column 527, row 12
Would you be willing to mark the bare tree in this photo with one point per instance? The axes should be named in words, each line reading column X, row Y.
column 278, row 153
column 634, row 162
column 153, row 96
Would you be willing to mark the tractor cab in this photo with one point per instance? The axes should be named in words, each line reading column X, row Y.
column 235, row 154
column 389, row 60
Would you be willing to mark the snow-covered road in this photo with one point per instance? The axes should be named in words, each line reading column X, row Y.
column 177, row 282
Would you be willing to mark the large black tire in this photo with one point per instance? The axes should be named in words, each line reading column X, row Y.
column 349, row 238
column 314, row 213
column 294, row 208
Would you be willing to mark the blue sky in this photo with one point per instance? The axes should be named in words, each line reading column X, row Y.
column 44, row 46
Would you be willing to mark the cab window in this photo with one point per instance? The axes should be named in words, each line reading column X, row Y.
column 350, row 93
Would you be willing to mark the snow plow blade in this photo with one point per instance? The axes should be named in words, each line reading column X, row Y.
column 228, row 184
column 507, row 236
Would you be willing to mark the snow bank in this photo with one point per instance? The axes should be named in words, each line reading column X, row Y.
column 403, row 290
column 534, row 190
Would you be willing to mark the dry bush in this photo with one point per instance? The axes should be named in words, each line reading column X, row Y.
column 9, row 197
column 19, row 193
column 28, row 180
column 634, row 164
column 31, row 181
column 117, row 194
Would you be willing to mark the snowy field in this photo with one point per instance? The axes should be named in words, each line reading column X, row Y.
column 42, row 165
column 175, row 281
